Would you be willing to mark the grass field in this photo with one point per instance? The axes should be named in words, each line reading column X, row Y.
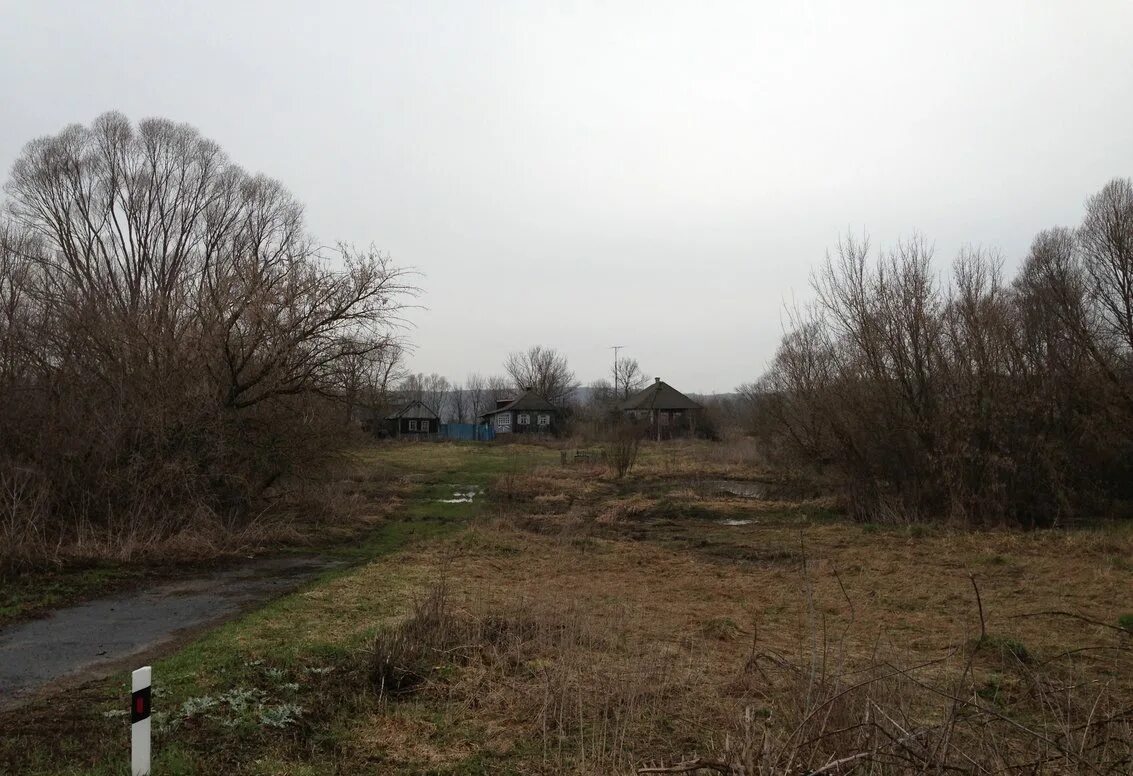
column 566, row 621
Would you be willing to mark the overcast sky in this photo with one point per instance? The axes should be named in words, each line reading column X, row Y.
column 658, row 175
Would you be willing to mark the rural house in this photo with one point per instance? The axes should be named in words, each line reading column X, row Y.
column 414, row 418
column 529, row 414
column 668, row 411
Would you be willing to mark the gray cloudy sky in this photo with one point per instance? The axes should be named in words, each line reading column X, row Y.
column 659, row 175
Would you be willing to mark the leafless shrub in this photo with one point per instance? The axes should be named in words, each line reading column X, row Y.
column 980, row 400
column 622, row 445
column 931, row 716
column 402, row 657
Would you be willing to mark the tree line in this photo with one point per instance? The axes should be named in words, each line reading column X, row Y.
column 977, row 397
column 543, row 369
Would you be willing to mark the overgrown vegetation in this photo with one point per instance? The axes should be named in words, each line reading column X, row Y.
column 982, row 400
column 622, row 445
column 173, row 345
column 567, row 620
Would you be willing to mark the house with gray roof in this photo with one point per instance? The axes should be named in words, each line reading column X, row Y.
column 668, row 412
column 528, row 414
column 412, row 419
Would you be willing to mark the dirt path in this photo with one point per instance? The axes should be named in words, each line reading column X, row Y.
column 89, row 639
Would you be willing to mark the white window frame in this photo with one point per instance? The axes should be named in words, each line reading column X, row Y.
column 503, row 420
column 544, row 419
column 423, row 426
column 412, row 425
column 523, row 420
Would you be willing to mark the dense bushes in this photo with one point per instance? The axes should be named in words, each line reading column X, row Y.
column 171, row 340
column 978, row 399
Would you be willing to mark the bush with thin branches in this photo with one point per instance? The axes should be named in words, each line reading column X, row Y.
column 977, row 399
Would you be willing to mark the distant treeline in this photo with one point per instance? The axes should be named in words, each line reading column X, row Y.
column 979, row 398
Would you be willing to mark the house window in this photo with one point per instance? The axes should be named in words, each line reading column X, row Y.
column 503, row 420
column 524, row 419
column 424, row 425
column 544, row 420
column 412, row 425
column 663, row 418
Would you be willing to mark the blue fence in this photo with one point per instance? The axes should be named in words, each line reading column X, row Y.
column 467, row 432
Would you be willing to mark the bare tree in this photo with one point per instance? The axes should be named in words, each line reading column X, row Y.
column 163, row 311
column 478, row 396
column 432, row 389
column 1106, row 238
column 603, row 396
column 543, row 369
column 499, row 388
column 628, row 377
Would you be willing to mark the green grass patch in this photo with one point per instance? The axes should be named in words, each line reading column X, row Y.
column 1008, row 649
column 30, row 594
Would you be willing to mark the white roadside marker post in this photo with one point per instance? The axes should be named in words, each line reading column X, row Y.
column 140, row 721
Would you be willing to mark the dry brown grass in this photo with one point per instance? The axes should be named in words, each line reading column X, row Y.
column 624, row 632
column 305, row 513
column 689, row 458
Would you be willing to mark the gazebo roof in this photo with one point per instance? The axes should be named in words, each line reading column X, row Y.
column 659, row 396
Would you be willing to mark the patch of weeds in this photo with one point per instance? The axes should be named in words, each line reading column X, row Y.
column 995, row 560
column 871, row 528
column 991, row 689
column 721, row 629
column 770, row 555
column 1006, row 647
column 280, row 716
column 917, row 531
column 197, row 705
column 405, row 655
column 237, row 707
column 1125, row 622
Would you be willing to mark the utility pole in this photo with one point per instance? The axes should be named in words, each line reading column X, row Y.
column 616, row 348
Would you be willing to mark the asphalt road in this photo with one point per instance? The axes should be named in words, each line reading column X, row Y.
column 90, row 639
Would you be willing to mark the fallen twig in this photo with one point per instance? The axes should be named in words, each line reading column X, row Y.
column 1057, row 613
column 689, row 766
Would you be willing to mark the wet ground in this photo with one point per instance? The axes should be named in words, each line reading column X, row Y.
column 90, row 639
column 737, row 488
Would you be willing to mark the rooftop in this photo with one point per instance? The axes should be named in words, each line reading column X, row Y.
column 659, row 396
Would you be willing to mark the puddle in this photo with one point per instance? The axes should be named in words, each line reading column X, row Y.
column 739, row 488
column 736, row 522
column 462, row 495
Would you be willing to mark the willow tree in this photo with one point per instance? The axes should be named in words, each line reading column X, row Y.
column 171, row 333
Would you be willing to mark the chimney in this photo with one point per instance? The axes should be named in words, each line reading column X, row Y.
column 656, row 380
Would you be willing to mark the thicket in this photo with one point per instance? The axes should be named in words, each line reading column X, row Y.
column 972, row 397
column 174, row 346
